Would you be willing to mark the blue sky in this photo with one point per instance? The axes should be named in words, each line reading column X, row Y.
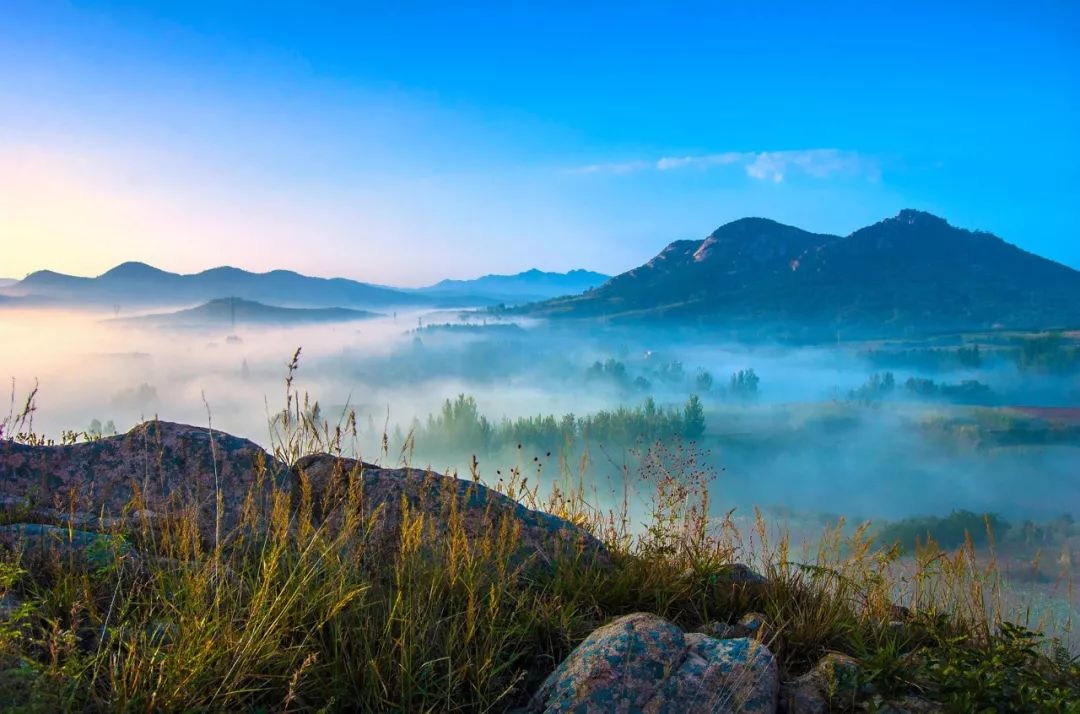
column 403, row 143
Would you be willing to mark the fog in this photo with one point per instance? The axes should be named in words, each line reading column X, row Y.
column 815, row 433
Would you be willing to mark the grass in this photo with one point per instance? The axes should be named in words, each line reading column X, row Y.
column 284, row 612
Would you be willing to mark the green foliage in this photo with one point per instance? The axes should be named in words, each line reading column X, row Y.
column 969, row 391
column 290, row 613
column 610, row 369
column 932, row 359
column 703, row 381
column 459, row 428
column 693, row 418
column 878, row 386
column 1047, row 354
column 744, row 383
column 1010, row 673
column 948, row 532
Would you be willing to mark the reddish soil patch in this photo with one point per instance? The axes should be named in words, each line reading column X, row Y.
column 1062, row 415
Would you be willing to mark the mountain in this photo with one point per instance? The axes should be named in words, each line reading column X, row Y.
column 913, row 273
column 138, row 284
column 4, row 282
column 234, row 311
column 529, row 286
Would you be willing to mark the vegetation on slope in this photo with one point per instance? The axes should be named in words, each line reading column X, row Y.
column 290, row 614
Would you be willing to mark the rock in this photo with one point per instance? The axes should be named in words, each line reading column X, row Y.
column 834, row 679
column 95, row 548
column 750, row 625
column 158, row 467
column 643, row 663
column 740, row 574
column 166, row 464
column 543, row 538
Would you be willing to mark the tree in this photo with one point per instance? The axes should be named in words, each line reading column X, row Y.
column 703, row 381
column 744, row 383
column 693, row 418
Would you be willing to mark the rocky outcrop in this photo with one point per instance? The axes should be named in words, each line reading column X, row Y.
column 542, row 538
column 643, row 663
column 157, row 465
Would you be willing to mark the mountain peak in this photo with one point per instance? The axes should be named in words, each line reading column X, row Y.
column 908, row 274
column 750, row 225
column 914, row 217
column 133, row 269
column 756, row 240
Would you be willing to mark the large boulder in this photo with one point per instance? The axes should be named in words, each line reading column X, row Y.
column 542, row 539
column 643, row 663
column 163, row 463
column 158, row 467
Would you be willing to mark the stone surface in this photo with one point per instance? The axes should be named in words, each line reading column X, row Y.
column 165, row 464
column 833, row 681
column 643, row 663
column 95, row 548
column 542, row 538
column 739, row 573
column 750, row 625
column 145, row 474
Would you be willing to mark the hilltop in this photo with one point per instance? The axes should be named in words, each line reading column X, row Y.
column 909, row 274
column 528, row 286
column 225, row 311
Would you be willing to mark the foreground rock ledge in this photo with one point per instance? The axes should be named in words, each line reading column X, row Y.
column 543, row 539
column 159, row 464
column 162, row 466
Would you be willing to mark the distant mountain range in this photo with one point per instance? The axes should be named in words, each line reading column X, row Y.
column 4, row 282
column 529, row 286
column 913, row 273
column 236, row 312
column 137, row 285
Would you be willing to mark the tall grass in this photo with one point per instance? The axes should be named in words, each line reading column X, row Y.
column 287, row 610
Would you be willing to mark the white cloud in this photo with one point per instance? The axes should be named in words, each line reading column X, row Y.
column 625, row 167
column 772, row 166
column 677, row 162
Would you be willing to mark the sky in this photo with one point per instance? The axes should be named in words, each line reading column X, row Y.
column 403, row 143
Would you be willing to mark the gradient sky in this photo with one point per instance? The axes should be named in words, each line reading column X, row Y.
column 406, row 142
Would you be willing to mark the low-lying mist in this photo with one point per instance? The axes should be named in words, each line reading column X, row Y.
column 871, row 430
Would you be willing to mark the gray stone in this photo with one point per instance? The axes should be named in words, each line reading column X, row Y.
column 149, row 473
column 542, row 538
column 750, row 625
column 643, row 663
column 95, row 548
column 157, row 465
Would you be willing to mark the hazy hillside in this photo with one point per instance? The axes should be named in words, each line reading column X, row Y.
column 138, row 284
column 228, row 311
column 913, row 273
column 530, row 285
